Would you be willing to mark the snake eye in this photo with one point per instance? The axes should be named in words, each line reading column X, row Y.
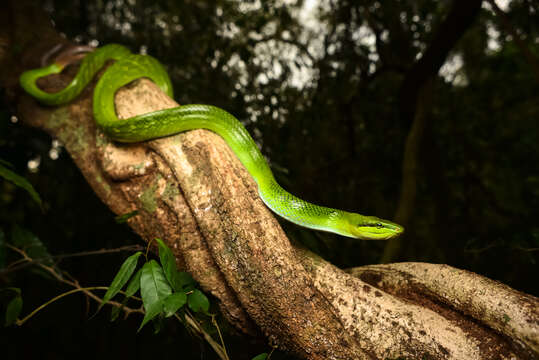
column 379, row 225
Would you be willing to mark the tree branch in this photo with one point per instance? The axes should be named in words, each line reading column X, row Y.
column 493, row 304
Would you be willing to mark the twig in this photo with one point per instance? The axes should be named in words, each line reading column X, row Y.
column 220, row 350
column 39, row 308
column 526, row 249
column 294, row 42
column 190, row 319
column 74, row 283
column 14, row 266
column 214, row 322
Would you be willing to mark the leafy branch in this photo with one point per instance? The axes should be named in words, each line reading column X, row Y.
column 165, row 292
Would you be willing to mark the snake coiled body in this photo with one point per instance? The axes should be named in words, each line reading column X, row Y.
column 128, row 67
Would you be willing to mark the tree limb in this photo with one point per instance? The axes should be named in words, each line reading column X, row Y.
column 509, row 312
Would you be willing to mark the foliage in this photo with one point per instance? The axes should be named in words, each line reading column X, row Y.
column 14, row 307
column 164, row 289
column 18, row 180
column 160, row 297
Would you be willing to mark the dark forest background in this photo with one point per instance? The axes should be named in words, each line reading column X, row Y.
column 329, row 90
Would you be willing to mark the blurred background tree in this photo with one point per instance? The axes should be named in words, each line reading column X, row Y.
column 321, row 87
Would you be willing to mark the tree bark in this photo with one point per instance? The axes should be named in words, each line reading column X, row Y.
column 191, row 191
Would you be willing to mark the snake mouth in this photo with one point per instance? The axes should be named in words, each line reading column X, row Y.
column 380, row 230
column 72, row 54
column 369, row 234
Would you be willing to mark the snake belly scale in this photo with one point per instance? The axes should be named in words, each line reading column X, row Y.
column 128, row 67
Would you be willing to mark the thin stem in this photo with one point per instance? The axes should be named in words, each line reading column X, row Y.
column 22, row 263
column 74, row 283
column 29, row 316
column 148, row 249
column 526, row 249
column 190, row 319
column 214, row 322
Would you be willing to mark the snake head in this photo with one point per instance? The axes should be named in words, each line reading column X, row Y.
column 371, row 227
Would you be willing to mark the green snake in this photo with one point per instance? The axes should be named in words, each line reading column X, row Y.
column 128, row 67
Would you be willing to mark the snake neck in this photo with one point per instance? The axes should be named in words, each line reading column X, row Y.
column 296, row 210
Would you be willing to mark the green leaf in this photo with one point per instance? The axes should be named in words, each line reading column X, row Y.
column 168, row 261
column 262, row 356
column 151, row 312
column 198, row 302
column 134, row 284
column 173, row 303
column 13, row 310
column 132, row 287
column 157, row 325
column 121, row 278
column 153, row 284
column 19, row 181
column 185, row 282
column 26, row 240
column 115, row 312
column 179, row 280
column 120, row 219
column 6, row 163
column 154, row 288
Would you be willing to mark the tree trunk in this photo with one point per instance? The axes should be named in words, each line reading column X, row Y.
column 191, row 191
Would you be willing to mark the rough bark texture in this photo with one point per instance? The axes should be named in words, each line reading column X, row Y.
column 499, row 307
column 192, row 191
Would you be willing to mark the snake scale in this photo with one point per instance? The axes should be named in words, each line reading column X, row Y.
column 128, row 67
